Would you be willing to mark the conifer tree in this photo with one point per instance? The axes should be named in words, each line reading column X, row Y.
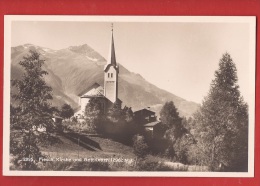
column 169, row 114
column 172, row 121
column 221, row 124
column 32, row 95
column 174, row 129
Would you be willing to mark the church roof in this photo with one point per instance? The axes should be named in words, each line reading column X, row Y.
column 94, row 90
column 111, row 61
column 113, row 54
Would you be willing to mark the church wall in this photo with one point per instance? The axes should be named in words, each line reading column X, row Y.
column 108, row 76
column 111, row 84
column 78, row 113
column 84, row 102
column 110, row 91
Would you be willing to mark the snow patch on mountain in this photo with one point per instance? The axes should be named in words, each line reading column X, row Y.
column 92, row 59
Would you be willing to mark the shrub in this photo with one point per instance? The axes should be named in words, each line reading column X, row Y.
column 140, row 146
column 181, row 148
column 77, row 127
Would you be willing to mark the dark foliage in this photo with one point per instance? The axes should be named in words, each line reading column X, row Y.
column 140, row 146
column 175, row 133
column 31, row 120
column 95, row 116
column 66, row 111
column 221, row 124
column 170, row 116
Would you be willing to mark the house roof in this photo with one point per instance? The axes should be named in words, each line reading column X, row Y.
column 152, row 124
column 97, row 90
column 143, row 110
column 56, row 116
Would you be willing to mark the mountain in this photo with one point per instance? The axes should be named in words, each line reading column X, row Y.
column 73, row 69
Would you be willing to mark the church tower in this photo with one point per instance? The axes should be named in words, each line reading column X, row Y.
column 111, row 71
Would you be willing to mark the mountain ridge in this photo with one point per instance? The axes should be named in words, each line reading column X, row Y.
column 71, row 70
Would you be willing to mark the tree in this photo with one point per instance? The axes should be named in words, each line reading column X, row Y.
column 221, row 124
column 140, row 146
column 66, row 111
column 94, row 113
column 14, row 119
column 173, row 124
column 128, row 114
column 181, row 148
column 115, row 113
column 128, row 128
column 32, row 96
column 172, row 121
column 169, row 115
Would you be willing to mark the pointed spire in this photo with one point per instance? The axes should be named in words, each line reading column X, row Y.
column 112, row 55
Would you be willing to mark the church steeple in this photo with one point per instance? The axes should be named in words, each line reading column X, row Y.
column 111, row 60
column 111, row 71
column 112, row 52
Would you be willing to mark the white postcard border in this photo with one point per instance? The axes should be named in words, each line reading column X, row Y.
column 223, row 19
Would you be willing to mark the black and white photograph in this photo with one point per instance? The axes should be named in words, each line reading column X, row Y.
column 161, row 96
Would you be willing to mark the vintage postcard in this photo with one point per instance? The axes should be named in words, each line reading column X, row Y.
column 161, row 96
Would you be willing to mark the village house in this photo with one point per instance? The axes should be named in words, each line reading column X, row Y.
column 151, row 127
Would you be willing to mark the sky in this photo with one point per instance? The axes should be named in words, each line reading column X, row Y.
column 180, row 57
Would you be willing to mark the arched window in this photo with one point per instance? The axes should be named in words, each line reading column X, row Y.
column 111, row 75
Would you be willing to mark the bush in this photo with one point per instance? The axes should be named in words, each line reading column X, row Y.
column 157, row 145
column 66, row 111
column 77, row 127
column 140, row 146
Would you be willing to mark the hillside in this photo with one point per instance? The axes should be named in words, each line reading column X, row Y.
column 71, row 149
column 119, row 156
column 73, row 69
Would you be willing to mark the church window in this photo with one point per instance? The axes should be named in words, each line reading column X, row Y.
column 111, row 75
column 108, row 74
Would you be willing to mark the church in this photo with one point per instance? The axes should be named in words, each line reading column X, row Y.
column 107, row 95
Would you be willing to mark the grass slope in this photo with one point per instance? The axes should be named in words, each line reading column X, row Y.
column 92, row 146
